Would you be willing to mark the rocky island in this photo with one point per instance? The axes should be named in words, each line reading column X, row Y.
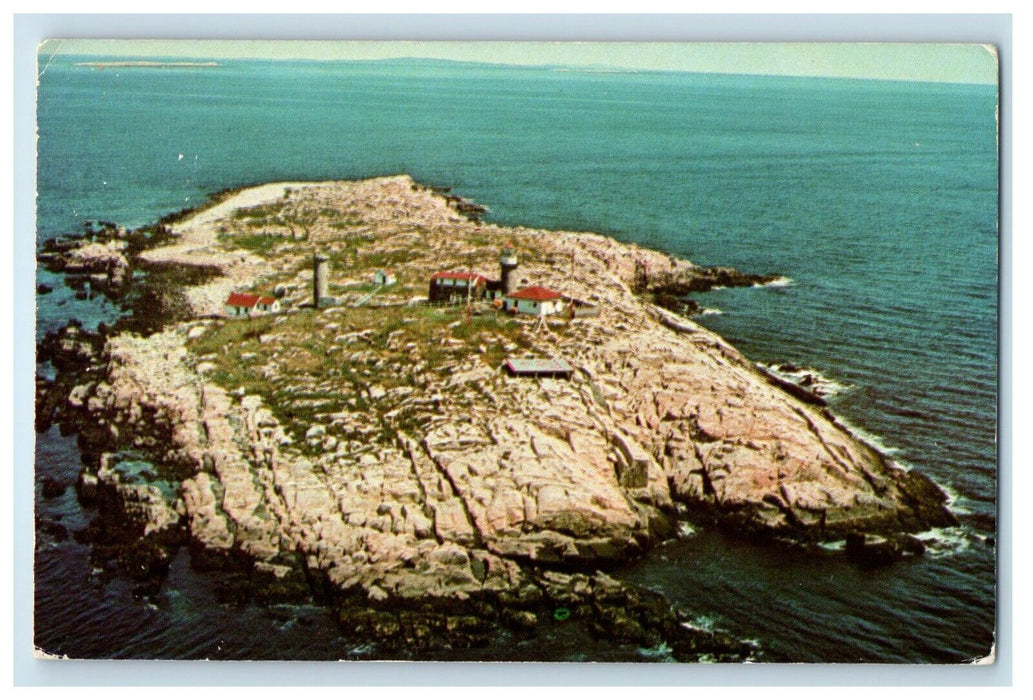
column 377, row 452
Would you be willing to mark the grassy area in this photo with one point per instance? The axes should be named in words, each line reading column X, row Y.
column 378, row 259
column 232, row 334
column 260, row 212
column 359, row 372
column 339, row 220
column 315, row 363
column 278, row 215
column 361, row 288
column 258, row 243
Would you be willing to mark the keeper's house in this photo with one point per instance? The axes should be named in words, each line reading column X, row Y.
column 249, row 305
column 456, row 286
column 537, row 301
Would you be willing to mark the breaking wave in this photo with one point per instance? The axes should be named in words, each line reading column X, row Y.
column 661, row 653
column 686, row 530
column 808, row 378
column 872, row 439
column 777, row 282
column 949, row 541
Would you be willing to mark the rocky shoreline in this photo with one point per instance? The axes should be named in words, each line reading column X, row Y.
column 373, row 456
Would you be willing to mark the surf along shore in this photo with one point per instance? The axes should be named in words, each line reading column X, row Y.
column 374, row 455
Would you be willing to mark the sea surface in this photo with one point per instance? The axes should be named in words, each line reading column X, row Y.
column 877, row 200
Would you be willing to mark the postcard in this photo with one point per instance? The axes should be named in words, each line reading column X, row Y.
column 516, row 351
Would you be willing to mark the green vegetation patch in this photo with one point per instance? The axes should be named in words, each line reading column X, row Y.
column 258, row 243
column 260, row 212
column 353, row 370
column 379, row 259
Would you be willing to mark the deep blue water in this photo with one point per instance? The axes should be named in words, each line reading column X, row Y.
column 877, row 199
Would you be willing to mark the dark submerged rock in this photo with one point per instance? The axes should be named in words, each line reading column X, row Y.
column 51, row 487
column 700, row 279
column 800, row 391
column 55, row 530
column 592, row 605
column 927, row 499
column 872, row 551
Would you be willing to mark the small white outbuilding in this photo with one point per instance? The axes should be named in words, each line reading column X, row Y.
column 537, row 301
column 384, row 277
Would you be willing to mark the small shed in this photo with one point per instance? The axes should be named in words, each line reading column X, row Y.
column 249, row 304
column 524, row 367
column 537, row 301
column 384, row 277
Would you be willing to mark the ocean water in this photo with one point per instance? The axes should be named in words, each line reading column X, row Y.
column 878, row 200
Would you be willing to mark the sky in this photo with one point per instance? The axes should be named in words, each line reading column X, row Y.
column 928, row 62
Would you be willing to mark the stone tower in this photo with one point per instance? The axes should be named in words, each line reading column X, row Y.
column 508, row 263
column 319, row 275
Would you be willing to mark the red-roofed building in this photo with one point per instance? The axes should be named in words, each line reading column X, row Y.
column 538, row 301
column 456, row 286
column 249, row 304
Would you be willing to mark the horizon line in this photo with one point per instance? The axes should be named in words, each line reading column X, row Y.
column 951, row 63
column 191, row 60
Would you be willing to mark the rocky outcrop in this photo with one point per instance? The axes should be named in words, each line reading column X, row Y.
column 875, row 550
column 702, row 279
column 380, row 460
column 101, row 266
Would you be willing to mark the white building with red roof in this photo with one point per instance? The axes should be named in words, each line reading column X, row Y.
column 238, row 305
column 537, row 301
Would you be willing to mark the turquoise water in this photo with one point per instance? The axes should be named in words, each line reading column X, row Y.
column 877, row 199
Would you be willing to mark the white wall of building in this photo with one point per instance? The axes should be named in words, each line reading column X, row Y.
column 535, row 308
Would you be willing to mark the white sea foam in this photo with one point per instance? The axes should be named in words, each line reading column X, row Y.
column 686, row 530
column 873, row 440
column 948, row 541
column 711, row 312
column 705, row 623
column 955, row 501
column 777, row 282
column 939, row 542
column 661, row 652
column 808, row 378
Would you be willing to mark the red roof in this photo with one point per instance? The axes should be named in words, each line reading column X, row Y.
column 535, row 294
column 248, row 300
column 459, row 276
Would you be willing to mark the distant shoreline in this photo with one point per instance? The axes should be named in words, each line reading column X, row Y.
column 100, row 65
